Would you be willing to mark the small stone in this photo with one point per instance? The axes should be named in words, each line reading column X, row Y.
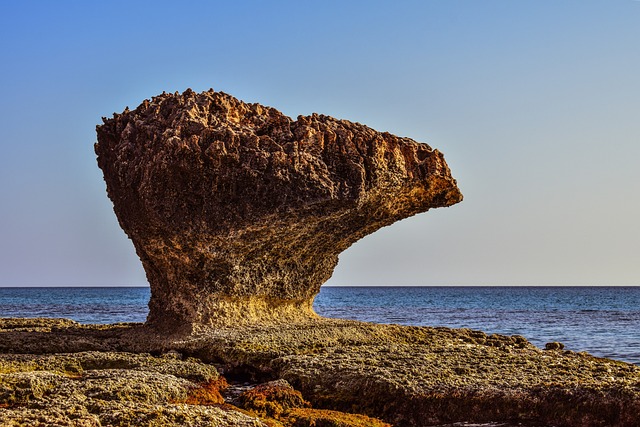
column 554, row 346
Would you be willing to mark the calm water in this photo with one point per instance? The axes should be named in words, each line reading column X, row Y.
column 604, row 321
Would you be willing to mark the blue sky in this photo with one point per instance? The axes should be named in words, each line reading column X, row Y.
column 535, row 104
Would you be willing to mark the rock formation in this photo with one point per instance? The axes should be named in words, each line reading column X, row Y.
column 239, row 213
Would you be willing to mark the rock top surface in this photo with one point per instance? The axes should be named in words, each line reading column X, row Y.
column 239, row 213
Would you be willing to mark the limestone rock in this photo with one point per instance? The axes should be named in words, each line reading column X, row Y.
column 238, row 213
column 112, row 389
column 407, row 376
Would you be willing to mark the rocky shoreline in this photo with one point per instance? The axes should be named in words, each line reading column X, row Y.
column 238, row 214
column 326, row 373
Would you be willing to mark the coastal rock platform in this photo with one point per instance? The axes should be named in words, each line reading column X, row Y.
column 337, row 373
column 238, row 214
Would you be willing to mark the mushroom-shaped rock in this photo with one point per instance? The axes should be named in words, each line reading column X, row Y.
column 239, row 213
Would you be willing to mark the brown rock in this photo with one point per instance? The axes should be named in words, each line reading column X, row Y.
column 279, row 404
column 238, row 213
column 554, row 346
column 407, row 376
column 272, row 399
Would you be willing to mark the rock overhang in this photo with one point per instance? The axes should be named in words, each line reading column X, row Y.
column 239, row 213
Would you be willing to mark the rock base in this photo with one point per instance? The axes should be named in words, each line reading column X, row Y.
column 221, row 311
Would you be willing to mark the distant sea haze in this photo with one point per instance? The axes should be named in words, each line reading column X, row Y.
column 604, row 321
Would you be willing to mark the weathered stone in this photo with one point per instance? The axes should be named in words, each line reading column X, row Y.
column 112, row 389
column 277, row 403
column 238, row 213
column 554, row 346
column 406, row 376
column 272, row 399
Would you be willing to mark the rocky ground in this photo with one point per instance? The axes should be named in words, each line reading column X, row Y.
column 58, row 372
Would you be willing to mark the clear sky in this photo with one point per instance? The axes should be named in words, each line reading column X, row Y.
column 535, row 104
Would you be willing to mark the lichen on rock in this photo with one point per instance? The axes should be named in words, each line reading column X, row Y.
column 239, row 213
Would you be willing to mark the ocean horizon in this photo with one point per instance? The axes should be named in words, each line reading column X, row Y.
column 601, row 320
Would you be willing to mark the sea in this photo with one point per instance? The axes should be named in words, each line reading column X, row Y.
column 603, row 321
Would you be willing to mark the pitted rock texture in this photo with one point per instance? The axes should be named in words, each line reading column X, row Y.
column 239, row 213
column 404, row 375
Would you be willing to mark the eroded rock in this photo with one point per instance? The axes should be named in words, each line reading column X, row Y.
column 278, row 402
column 238, row 213
column 403, row 375
column 112, row 389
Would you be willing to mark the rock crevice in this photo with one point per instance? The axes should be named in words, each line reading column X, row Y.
column 239, row 213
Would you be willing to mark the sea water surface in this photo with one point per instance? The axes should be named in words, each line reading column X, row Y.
column 604, row 321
